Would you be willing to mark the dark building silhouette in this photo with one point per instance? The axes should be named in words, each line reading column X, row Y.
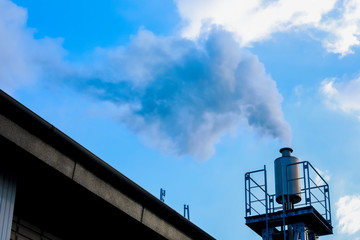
column 53, row 188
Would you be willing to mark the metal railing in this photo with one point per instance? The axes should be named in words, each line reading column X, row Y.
column 263, row 201
column 313, row 187
column 314, row 192
column 254, row 200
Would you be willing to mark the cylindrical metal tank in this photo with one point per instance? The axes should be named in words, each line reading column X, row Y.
column 288, row 189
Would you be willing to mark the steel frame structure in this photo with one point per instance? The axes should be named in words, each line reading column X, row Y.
column 309, row 218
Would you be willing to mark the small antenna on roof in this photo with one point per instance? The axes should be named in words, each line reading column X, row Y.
column 162, row 194
column 186, row 212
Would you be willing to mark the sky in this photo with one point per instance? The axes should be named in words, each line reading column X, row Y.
column 188, row 96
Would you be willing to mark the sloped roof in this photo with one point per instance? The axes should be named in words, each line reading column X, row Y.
column 45, row 157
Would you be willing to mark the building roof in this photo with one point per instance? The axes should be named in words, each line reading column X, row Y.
column 64, row 173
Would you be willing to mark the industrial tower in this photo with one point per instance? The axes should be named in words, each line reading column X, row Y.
column 299, row 209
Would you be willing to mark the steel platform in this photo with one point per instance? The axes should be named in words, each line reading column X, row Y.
column 308, row 215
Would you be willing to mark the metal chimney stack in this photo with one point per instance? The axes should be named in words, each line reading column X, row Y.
column 299, row 209
column 287, row 179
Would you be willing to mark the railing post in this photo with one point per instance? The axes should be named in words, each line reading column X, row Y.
column 308, row 174
column 247, row 195
column 305, row 166
column 325, row 200
column 328, row 192
column 266, row 200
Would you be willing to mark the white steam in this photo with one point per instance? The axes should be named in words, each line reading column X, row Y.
column 180, row 95
column 183, row 96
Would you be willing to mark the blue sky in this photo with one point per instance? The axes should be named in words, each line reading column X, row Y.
column 189, row 95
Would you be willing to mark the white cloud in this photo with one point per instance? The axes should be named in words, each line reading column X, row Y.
column 324, row 174
column 348, row 214
column 257, row 20
column 345, row 30
column 343, row 95
column 23, row 59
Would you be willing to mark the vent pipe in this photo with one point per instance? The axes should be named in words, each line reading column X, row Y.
column 287, row 178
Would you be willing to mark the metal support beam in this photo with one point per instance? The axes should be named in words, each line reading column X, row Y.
column 301, row 232
column 186, row 211
column 162, row 194
column 267, row 233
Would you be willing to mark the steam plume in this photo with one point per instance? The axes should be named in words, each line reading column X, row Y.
column 183, row 96
column 180, row 95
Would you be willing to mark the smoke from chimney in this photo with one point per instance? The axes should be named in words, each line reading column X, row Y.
column 182, row 96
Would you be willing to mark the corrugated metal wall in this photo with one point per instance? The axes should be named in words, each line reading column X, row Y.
column 7, row 201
